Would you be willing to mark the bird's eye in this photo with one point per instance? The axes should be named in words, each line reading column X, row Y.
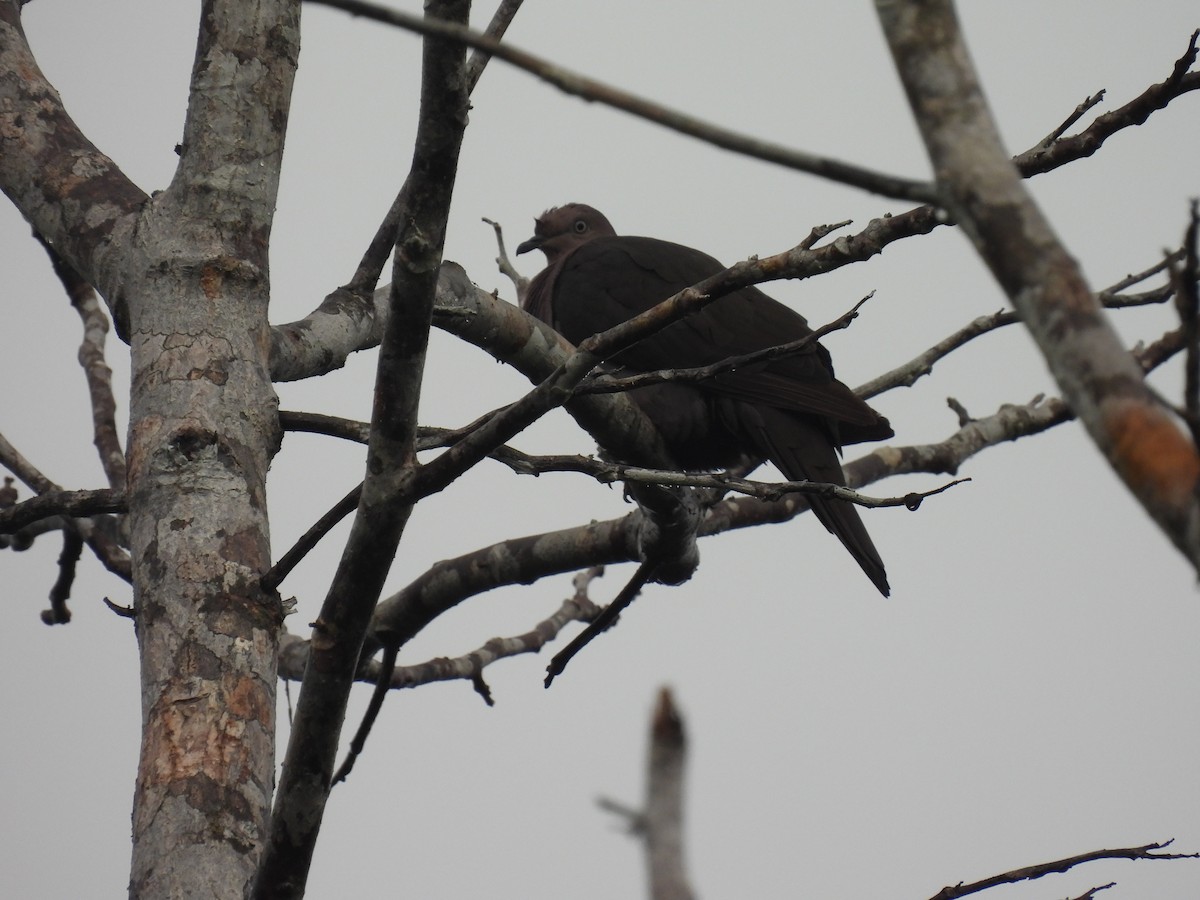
column 580, row 226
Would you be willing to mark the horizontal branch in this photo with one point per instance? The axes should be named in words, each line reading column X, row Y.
column 1058, row 866
column 606, row 383
column 609, row 472
column 469, row 667
column 99, row 539
column 61, row 503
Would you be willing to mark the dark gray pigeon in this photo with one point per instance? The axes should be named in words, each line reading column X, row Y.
column 791, row 411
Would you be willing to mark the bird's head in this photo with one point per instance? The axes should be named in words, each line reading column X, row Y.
column 560, row 230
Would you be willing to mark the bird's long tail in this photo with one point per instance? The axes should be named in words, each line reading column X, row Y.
column 802, row 449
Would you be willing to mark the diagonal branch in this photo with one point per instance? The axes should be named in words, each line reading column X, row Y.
column 1102, row 383
column 366, row 276
column 72, row 194
column 391, row 462
column 501, row 19
column 1058, row 866
column 607, row 383
column 592, row 90
column 1186, row 276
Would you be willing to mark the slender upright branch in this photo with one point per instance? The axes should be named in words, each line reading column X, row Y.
column 391, row 463
column 95, row 368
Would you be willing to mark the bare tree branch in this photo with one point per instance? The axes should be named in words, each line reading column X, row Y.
column 383, row 508
column 520, row 282
column 605, row 620
column 501, row 19
column 589, row 89
column 388, row 676
column 95, row 368
column 664, row 803
column 911, row 372
column 1028, row 873
column 1078, row 113
column 57, row 502
column 110, row 554
column 72, row 194
column 59, row 613
column 366, row 276
column 1100, row 380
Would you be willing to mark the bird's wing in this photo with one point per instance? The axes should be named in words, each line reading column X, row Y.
column 609, row 280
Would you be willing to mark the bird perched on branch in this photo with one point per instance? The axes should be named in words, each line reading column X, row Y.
column 791, row 411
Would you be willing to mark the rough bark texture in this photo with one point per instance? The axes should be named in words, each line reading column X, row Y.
column 982, row 189
column 185, row 276
column 71, row 193
column 202, row 431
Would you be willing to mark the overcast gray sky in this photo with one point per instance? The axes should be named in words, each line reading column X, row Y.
column 1029, row 691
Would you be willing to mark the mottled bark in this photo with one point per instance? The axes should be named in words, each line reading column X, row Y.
column 202, row 431
column 73, row 195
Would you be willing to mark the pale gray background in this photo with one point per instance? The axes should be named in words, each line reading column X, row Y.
column 1029, row 692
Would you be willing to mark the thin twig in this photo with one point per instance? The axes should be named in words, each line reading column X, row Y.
column 387, row 675
column 602, row 622
column 820, row 231
column 272, row 579
column 604, row 383
column 1074, row 117
column 374, row 705
column 520, row 282
column 501, row 19
column 366, row 276
column 59, row 613
column 918, row 367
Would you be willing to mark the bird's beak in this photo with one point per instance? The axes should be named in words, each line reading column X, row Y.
column 532, row 244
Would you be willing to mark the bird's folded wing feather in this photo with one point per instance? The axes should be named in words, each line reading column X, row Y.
column 610, row 280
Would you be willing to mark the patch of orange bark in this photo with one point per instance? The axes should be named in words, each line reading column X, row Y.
column 1153, row 455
